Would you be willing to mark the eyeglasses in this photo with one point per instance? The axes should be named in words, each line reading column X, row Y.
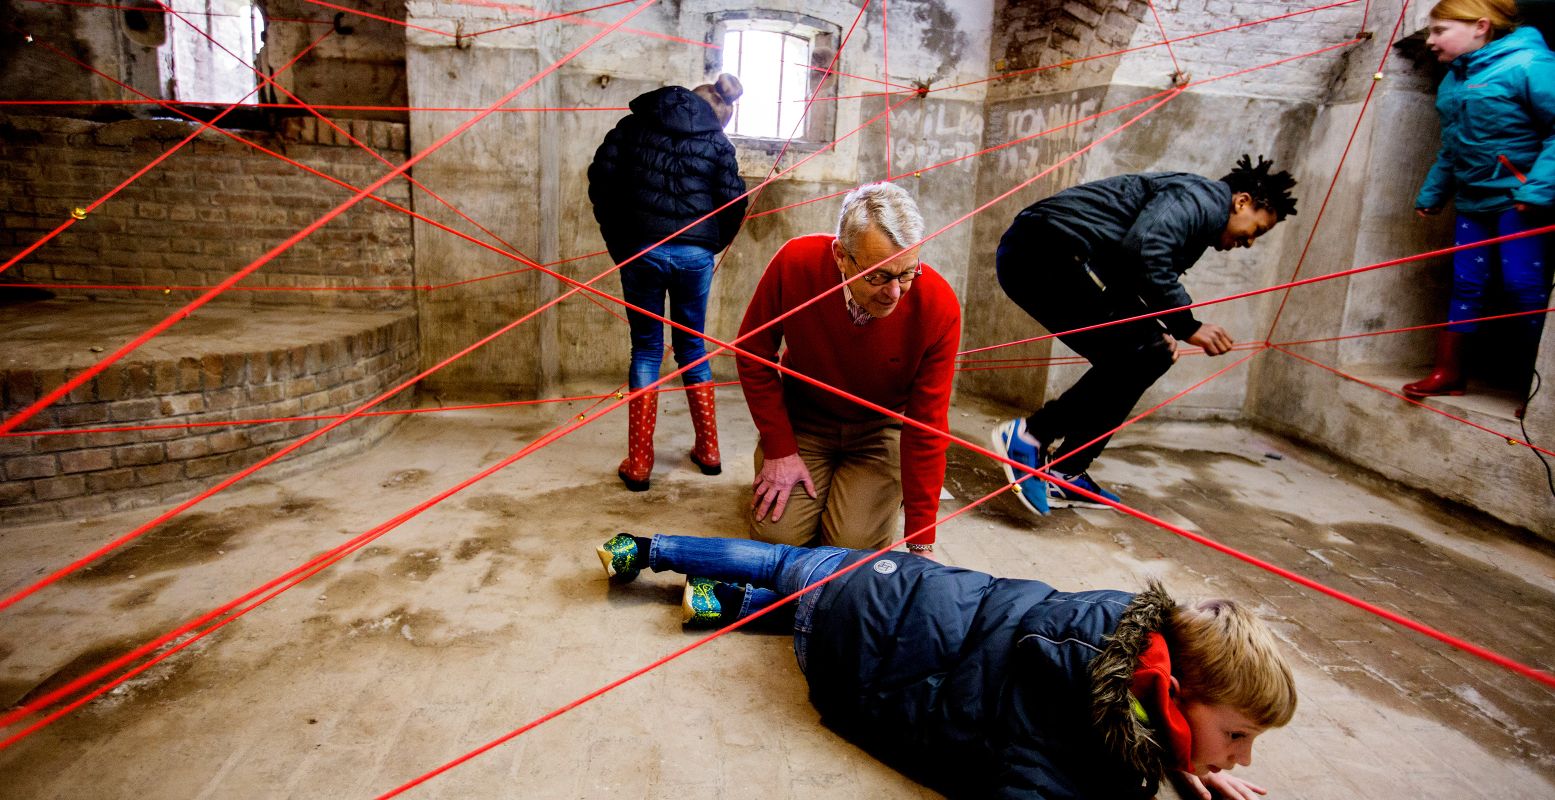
column 879, row 278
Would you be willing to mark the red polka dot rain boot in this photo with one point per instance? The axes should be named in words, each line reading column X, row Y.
column 642, row 416
column 704, row 419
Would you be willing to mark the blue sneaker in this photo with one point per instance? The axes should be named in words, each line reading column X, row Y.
column 699, row 604
column 621, row 558
column 1061, row 497
column 1029, row 490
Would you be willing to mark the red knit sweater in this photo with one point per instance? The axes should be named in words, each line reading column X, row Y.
column 904, row 362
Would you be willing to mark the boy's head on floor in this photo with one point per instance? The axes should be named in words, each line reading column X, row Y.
column 1232, row 682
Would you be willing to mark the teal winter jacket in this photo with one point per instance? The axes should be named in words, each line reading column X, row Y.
column 1497, row 107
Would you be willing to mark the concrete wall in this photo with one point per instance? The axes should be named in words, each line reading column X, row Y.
column 1203, row 131
column 1370, row 219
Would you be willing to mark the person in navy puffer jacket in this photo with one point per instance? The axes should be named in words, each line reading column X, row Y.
column 666, row 177
column 996, row 687
column 1497, row 165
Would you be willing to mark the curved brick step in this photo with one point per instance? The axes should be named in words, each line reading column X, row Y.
column 221, row 364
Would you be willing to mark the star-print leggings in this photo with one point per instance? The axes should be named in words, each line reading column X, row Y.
column 1521, row 268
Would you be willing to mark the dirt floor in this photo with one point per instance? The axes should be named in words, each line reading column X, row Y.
column 490, row 610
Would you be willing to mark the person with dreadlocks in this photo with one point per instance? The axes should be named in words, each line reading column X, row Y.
column 1110, row 250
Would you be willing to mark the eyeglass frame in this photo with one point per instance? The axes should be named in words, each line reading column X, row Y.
column 870, row 278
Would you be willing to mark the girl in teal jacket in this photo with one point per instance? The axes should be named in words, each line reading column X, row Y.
column 1497, row 165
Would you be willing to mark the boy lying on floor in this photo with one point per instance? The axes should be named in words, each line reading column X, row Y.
column 995, row 687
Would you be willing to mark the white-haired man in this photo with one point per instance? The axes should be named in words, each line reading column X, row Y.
column 887, row 331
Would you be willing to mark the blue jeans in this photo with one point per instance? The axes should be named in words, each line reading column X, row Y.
column 1523, row 266
column 771, row 572
column 684, row 272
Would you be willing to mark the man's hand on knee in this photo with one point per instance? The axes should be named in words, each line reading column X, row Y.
column 774, row 483
column 1213, row 338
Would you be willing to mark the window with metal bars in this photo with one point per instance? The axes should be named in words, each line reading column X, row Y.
column 774, row 68
column 776, row 54
column 211, row 50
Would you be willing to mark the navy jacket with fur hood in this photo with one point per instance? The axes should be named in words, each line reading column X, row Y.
column 1139, row 233
column 664, row 166
column 988, row 687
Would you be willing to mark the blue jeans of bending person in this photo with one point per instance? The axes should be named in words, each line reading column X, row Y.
column 684, row 273
column 1520, row 267
column 771, row 572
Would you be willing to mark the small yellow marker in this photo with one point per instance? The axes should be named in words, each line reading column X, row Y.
column 1377, row 77
column 618, row 395
column 1510, row 440
column 582, row 416
column 1016, row 487
column 78, row 212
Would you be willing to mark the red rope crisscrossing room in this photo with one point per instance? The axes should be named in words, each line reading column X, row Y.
column 55, row 704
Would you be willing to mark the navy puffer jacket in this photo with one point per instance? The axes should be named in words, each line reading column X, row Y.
column 661, row 168
column 987, row 687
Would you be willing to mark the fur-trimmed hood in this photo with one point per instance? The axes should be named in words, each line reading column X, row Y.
column 1112, row 674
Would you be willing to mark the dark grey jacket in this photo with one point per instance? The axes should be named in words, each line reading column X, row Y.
column 1139, row 233
column 987, row 687
column 661, row 168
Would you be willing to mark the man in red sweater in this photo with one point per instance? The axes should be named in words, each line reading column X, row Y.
column 885, row 328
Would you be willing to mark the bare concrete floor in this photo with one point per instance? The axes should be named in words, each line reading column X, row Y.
column 489, row 610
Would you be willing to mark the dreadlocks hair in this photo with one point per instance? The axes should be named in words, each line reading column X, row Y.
column 1269, row 190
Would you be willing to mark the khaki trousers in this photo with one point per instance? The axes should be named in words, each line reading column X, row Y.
column 858, row 486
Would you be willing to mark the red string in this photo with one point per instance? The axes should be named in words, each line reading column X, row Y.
column 171, row 426
column 151, row 10
column 1312, row 234
column 549, row 17
column 372, row 153
column 1431, row 326
column 1071, row 62
column 978, row 154
column 173, row 107
column 1166, row 40
column 1509, row 439
column 1277, row 287
column 87, row 374
column 380, row 18
column 75, row 685
column 319, row 106
column 1163, row 524
column 204, row 126
column 57, row 575
column 885, row 74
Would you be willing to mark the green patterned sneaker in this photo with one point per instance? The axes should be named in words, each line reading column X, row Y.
column 699, row 604
column 622, row 557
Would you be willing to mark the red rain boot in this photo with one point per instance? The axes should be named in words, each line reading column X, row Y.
column 642, row 416
column 1447, row 376
column 704, row 420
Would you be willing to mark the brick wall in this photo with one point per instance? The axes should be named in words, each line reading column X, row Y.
column 75, row 475
column 205, row 212
column 1050, row 32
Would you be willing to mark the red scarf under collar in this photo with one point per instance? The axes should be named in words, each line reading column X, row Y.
column 1152, row 685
